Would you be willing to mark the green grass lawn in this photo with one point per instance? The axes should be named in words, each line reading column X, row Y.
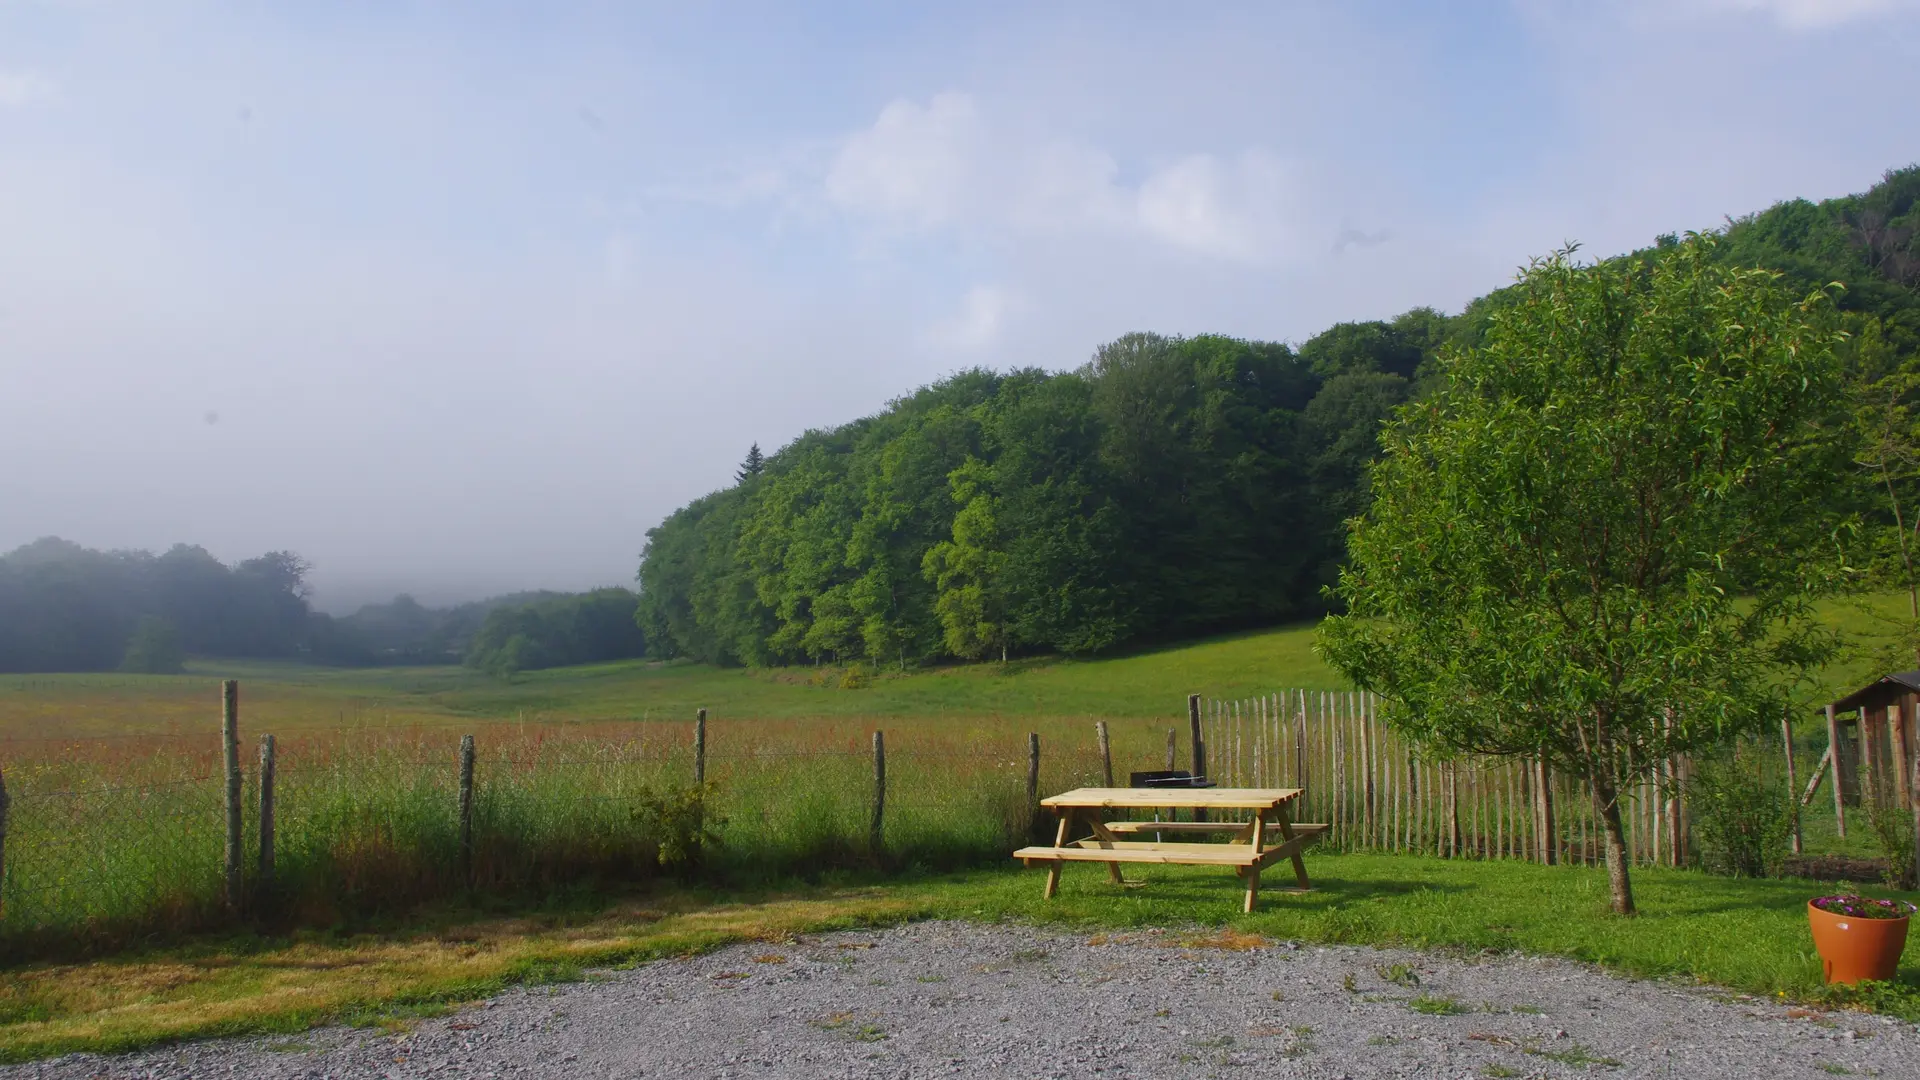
column 1142, row 684
column 1745, row 935
column 1151, row 683
column 285, row 696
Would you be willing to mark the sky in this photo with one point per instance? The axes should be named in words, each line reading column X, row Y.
column 456, row 299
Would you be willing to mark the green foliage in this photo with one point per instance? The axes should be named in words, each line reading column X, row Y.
column 1153, row 494
column 1892, row 829
column 64, row 607
column 1742, row 815
column 1599, row 540
column 154, row 649
column 970, row 570
column 679, row 819
column 558, row 631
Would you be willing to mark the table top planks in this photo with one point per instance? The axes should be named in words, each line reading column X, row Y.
column 1171, row 798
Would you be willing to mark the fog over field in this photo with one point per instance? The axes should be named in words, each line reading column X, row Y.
column 462, row 300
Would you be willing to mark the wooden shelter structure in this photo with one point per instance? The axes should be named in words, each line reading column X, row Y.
column 1873, row 748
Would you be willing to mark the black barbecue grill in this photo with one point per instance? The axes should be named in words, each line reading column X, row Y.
column 1168, row 778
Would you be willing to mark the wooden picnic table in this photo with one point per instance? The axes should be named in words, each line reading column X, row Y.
column 1247, row 850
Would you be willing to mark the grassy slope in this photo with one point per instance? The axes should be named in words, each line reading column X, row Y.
column 1147, row 684
column 1743, row 934
column 290, row 697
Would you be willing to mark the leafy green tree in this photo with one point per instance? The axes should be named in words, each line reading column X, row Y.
column 970, row 570
column 1886, row 415
column 1600, row 539
column 154, row 649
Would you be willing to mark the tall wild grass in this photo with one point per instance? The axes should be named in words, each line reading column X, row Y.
column 117, row 840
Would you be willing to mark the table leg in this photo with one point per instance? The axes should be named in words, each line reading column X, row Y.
column 1286, row 833
column 1258, row 842
column 1101, row 834
column 1059, row 840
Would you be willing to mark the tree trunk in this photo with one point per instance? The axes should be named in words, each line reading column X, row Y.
column 1606, row 805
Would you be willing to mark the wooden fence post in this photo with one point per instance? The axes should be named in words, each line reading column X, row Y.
column 1369, row 751
column 1199, row 746
column 700, row 747
column 1173, row 749
column 879, row 789
column 1199, row 753
column 1033, row 783
column 1549, row 838
column 1453, row 809
column 466, row 810
column 230, row 742
column 1869, row 746
column 1793, row 784
column 266, row 809
column 1300, row 744
column 1897, row 756
column 6, row 805
column 1106, row 752
column 1901, row 767
column 1833, row 762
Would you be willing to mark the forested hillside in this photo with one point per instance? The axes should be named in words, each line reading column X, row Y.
column 1166, row 488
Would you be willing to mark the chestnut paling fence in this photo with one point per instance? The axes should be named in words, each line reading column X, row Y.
column 107, row 839
column 1379, row 792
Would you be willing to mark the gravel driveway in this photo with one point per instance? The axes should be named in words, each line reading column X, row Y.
column 951, row 999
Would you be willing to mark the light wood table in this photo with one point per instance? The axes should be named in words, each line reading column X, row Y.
column 1248, row 850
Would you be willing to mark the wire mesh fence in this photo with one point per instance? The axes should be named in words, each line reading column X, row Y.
column 106, row 842
column 110, row 839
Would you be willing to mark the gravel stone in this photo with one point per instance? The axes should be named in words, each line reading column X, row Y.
column 964, row 1000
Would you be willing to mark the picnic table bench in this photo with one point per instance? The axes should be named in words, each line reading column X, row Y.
column 1248, row 850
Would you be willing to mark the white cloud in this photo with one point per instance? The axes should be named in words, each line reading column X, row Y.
column 1232, row 211
column 19, row 88
column 982, row 315
column 949, row 165
column 1808, row 14
column 914, row 165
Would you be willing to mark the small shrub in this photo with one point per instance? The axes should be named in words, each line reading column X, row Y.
column 680, row 822
column 1893, row 830
column 1743, row 821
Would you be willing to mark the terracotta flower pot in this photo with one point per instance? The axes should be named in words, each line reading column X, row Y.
column 1852, row 949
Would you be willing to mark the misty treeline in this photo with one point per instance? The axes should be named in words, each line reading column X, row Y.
column 1168, row 487
column 64, row 607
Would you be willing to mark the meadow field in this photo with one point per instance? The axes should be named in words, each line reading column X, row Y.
column 585, row 778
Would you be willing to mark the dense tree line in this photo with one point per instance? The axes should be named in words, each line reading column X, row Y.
column 64, row 607
column 558, row 631
column 1168, row 487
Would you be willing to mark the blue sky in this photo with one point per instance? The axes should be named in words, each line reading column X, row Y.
column 458, row 298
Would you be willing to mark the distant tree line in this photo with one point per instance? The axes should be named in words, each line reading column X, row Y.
column 558, row 631
column 1168, row 487
column 64, row 607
